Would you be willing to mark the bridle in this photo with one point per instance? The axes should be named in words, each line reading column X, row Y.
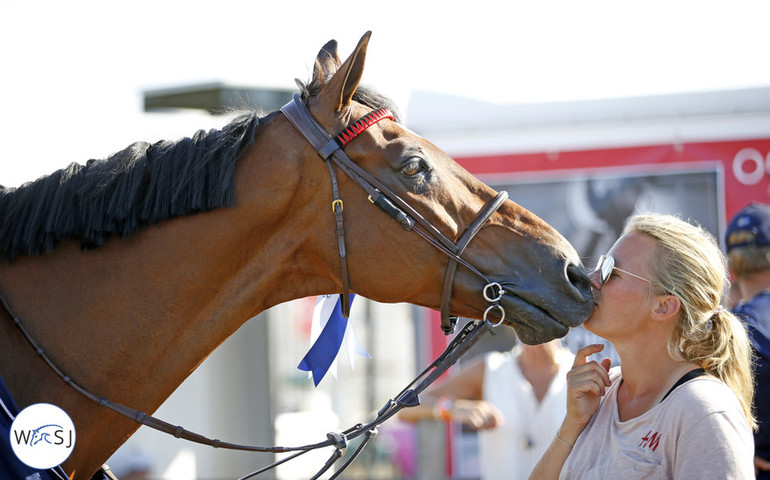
column 329, row 147
column 333, row 148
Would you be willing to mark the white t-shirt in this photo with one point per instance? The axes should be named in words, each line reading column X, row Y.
column 512, row 449
column 697, row 432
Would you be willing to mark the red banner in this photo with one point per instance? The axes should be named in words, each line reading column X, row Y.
column 745, row 165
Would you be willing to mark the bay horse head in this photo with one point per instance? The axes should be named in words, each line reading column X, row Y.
column 542, row 285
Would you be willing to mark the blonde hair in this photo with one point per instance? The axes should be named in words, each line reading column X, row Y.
column 689, row 264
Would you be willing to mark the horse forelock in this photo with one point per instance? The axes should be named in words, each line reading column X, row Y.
column 138, row 186
column 364, row 95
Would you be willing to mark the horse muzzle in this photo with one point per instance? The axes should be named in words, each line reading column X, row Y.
column 539, row 313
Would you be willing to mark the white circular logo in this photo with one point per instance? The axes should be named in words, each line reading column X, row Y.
column 42, row 436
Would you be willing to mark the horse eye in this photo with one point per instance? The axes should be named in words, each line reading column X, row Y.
column 413, row 166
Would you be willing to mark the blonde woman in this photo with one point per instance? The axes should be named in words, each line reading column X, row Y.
column 679, row 406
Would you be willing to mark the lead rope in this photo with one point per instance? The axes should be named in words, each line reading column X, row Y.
column 408, row 397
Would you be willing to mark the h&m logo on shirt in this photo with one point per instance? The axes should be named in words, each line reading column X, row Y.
column 651, row 440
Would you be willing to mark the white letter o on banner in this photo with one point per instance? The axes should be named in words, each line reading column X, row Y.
column 753, row 176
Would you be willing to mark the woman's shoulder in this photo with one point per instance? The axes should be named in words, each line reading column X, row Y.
column 703, row 396
column 707, row 408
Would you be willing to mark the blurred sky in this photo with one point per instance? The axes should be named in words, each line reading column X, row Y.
column 73, row 73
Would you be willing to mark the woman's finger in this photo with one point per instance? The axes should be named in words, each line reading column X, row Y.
column 591, row 369
column 582, row 354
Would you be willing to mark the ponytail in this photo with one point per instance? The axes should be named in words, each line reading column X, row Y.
column 723, row 350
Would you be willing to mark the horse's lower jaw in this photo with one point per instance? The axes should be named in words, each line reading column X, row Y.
column 532, row 324
column 535, row 335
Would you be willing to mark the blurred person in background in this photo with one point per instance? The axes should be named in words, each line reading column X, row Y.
column 132, row 463
column 748, row 253
column 516, row 399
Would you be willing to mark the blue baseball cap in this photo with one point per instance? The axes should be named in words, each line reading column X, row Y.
column 754, row 218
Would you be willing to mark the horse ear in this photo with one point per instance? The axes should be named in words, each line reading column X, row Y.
column 326, row 63
column 340, row 89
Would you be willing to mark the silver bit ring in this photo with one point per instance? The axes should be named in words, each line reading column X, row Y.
column 500, row 309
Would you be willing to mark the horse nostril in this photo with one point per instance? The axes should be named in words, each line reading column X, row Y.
column 578, row 278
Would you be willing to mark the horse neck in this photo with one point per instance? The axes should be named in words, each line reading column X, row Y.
column 131, row 320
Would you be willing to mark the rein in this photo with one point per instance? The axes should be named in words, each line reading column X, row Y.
column 408, row 397
column 329, row 147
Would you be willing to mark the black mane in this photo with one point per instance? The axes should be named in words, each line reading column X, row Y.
column 138, row 186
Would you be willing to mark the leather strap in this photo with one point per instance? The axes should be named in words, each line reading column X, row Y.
column 337, row 209
column 698, row 372
column 448, row 321
column 328, row 146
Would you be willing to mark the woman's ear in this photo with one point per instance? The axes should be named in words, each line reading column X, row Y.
column 667, row 306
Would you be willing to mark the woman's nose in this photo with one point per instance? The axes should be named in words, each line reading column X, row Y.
column 595, row 279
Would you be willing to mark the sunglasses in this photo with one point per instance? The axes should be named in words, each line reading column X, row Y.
column 607, row 264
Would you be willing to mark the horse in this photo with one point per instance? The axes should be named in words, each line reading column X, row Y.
column 130, row 271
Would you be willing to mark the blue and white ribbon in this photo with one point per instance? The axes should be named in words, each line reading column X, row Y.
column 328, row 331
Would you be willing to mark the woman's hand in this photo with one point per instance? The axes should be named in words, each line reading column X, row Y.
column 477, row 414
column 586, row 384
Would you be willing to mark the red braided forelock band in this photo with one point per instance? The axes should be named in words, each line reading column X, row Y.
column 355, row 128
